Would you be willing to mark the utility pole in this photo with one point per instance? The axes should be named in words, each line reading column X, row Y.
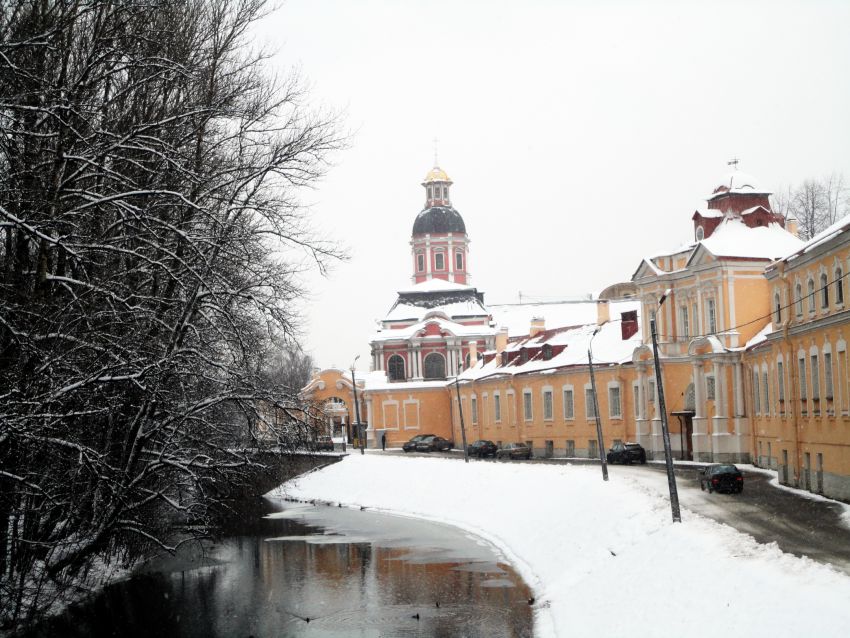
column 357, row 409
column 599, row 442
column 665, row 431
column 462, row 428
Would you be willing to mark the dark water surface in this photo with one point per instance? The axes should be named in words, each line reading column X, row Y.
column 351, row 572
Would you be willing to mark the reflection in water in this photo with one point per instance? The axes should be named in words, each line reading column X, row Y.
column 314, row 570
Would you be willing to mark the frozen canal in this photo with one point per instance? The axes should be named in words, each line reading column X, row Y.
column 350, row 572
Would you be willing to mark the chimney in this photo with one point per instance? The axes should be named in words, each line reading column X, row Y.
column 629, row 324
column 473, row 353
column 791, row 225
column 603, row 311
column 538, row 325
column 502, row 339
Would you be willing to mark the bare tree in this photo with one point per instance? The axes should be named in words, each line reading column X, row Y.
column 149, row 178
column 815, row 203
column 808, row 205
column 836, row 196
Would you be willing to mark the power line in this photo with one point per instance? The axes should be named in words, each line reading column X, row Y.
column 769, row 315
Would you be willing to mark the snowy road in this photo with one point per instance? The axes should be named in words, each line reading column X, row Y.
column 797, row 522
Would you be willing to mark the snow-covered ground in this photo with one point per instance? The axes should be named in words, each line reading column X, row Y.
column 603, row 559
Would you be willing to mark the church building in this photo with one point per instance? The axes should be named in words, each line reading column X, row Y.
column 752, row 328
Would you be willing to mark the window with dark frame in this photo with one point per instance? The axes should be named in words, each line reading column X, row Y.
column 395, row 368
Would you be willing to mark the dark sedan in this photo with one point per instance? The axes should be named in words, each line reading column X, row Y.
column 482, row 448
column 626, row 453
column 434, row 444
column 324, row 444
column 514, row 451
column 410, row 446
column 724, row 477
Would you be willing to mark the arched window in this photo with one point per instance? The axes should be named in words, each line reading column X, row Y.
column 839, row 286
column 458, row 260
column 798, row 295
column 429, row 193
column 777, row 304
column 395, row 368
column 811, row 295
column 435, row 366
column 824, row 291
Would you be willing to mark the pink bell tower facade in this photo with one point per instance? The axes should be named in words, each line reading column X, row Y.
column 439, row 243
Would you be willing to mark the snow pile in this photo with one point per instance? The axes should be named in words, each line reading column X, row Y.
column 602, row 558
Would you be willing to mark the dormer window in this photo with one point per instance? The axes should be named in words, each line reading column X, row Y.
column 547, row 352
column 504, row 359
column 523, row 356
column 700, row 233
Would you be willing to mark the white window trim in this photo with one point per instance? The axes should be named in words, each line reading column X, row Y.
column 527, row 417
column 497, row 414
column 588, row 404
column 392, row 403
column 572, row 417
column 543, row 391
column 611, row 385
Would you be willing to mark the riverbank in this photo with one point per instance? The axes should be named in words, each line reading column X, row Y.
column 601, row 556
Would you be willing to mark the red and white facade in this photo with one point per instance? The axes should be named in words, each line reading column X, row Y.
column 440, row 325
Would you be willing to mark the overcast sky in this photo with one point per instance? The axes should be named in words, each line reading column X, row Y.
column 580, row 136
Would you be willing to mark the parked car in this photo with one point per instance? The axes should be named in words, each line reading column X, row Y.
column 324, row 444
column 514, row 451
column 482, row 448
column 410, row 446
column 434, row 443
column 723, row 477
column 626, row 453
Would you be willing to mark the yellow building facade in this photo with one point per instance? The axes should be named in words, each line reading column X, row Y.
column 753, row 355
column 797, row 369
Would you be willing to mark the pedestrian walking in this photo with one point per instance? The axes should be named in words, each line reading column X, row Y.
column 383, row 441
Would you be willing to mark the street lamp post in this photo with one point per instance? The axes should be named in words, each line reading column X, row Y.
column 665, row 430
column 599, row 439
column 460, row 412
column 357, row 408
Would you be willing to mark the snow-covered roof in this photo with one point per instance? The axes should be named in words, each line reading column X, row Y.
column 456, row 329
column 733, row 238
column 841, row 226
column 469, row 308
column 738, row 182
column 435, row 295
column 517, row 317
column 432, row 285
column 709, row 212
column 761, row 337
column 608, row 347
column 377, row 380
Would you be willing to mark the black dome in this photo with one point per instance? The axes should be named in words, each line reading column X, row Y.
column 438, row 219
